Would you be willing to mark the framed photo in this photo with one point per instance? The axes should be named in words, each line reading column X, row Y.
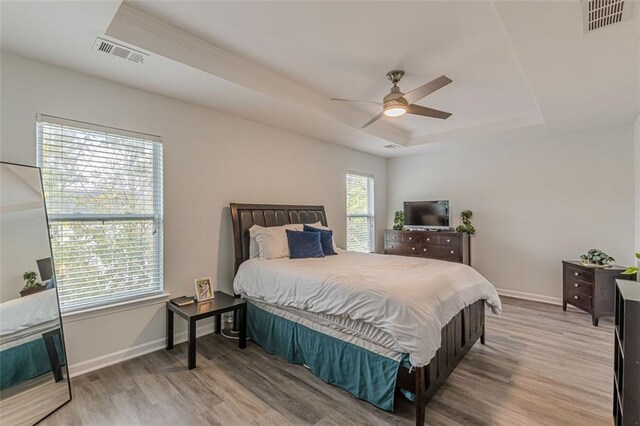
column 204, row 290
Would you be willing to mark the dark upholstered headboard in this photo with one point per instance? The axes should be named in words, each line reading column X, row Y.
column 244, row 216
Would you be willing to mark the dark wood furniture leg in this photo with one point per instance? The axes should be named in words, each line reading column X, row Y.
column 218, row 323
column 191, row 351
column 564, row 306
column 595, row 320
column 50, row 344
column 169, row 329
column 458, row 336
column 420, row 396
column 242, row 341
column 482, row 335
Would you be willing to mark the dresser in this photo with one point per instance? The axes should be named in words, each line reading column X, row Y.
column 626, row 361
column 590, row 289
column 450, row 246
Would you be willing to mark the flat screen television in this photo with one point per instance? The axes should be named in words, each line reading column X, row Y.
column 426, row 214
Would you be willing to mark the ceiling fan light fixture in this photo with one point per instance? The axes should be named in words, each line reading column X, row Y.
column 395, row 111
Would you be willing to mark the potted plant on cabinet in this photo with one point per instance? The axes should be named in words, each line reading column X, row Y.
column 31, row 285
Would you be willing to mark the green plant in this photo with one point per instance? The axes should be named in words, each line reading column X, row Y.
column 398, row 220
column 30, row 280
column 466, row 226
column 632, row 269
column 596, row 257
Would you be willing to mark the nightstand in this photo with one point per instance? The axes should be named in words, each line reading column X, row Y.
column 209, row 308
column 590, row 289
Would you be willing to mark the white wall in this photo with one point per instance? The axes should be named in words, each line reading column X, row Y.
column 535, row 201
column 210, row 160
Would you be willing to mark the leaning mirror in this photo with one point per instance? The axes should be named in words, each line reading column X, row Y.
column 34, row 379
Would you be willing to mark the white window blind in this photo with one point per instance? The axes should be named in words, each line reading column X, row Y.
column 103, row 189
column 360, row 213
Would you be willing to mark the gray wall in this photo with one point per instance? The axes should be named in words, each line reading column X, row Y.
column 535, row 201
column 210, row 160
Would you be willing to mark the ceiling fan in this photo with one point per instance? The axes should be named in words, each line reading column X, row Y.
column 397, row 103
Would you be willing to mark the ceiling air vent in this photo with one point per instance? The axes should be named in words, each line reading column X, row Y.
column 393, row 146
column 119, row 50
column 597, row 14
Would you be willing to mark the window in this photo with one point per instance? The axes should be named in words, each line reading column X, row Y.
column 360, row 213
column 103, row 189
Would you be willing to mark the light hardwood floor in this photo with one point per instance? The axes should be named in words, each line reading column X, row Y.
column 540, row 366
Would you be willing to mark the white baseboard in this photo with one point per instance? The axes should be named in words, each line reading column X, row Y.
column 83, row 367
column 530, row 296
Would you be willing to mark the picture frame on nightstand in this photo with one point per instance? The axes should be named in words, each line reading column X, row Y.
column 204, row 290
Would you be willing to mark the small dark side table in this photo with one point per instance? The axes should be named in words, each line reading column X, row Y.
column 209, row 308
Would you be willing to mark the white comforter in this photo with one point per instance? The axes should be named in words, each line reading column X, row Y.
column 411, row 299
column 26, row 312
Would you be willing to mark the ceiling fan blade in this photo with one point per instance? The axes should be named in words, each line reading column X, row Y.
column 416, row 94
column 374, row 119
column 427, row 112
column 354, row 100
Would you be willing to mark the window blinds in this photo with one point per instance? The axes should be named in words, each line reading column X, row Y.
column 103, row 190
column 360, row 213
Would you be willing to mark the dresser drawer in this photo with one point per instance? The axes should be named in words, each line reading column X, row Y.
column 579, row 300
column 393, row 236
column 578, row 273
column 449, row 253
column 573, row 285
column 448, row 241
column 391, row 247
column 411, row 237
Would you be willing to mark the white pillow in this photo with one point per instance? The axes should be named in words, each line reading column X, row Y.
column 319, row 225
column 272, row 241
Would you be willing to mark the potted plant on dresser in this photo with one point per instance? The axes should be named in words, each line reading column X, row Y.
column 31, row 285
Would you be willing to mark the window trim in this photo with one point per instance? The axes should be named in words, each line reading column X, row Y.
column 371, row 216
column 101, row 306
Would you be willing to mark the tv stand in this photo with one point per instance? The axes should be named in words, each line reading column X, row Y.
column 441, row 244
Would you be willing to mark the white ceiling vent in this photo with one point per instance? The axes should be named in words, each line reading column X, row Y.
column 112, row 48
column 393, row 146
column 597, row 14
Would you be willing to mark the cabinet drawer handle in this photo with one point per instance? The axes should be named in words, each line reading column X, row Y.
column 448, row 241
column 413, row 248
column 577, row 274
column 577, row 285
column 451, row 251
column 424, row 249
column 410, row 238
column 428, row 239
column 576, row 297
column 390, row 246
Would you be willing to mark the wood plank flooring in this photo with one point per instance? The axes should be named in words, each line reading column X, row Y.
column 540, row 366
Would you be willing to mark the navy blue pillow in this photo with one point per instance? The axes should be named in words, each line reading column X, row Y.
column 326, row 239
column 303, row 245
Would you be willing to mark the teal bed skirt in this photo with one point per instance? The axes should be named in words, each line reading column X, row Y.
column 365, row 374
column 27, row 361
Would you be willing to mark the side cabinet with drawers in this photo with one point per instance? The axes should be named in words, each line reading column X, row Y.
column 626, row 359
column 450, row 246
column 590, row 289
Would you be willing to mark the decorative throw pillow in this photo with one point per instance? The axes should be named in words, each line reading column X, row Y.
column 326, row 239
column 319, row 225
column 272, row 241
column 303, row 245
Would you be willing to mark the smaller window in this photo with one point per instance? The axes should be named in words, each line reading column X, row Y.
column 360, row 213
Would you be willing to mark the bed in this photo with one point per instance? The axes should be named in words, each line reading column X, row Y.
column 30, row 339
column 371, row 324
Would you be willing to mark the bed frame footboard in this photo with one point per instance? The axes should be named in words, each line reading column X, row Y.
column 458, row 336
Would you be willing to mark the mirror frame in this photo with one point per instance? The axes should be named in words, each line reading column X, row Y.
column 62, row 339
